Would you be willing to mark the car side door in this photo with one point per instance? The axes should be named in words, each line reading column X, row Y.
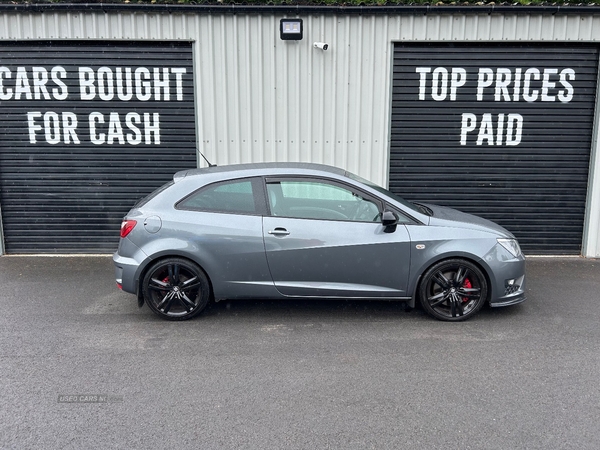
column 324, row 238
column 221, row 224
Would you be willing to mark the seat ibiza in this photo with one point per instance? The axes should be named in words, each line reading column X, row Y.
column 275, row 231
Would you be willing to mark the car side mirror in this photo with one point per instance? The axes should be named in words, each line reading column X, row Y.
column 389, row 220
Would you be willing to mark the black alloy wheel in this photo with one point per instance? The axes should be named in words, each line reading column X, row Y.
column 453, row 290
column 176, row 289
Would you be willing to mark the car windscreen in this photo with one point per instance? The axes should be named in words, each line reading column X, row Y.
column 384, row 191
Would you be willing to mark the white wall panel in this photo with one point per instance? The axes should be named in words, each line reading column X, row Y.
column 263, row 99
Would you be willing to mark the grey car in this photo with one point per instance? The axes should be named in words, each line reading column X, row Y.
column 276, row 231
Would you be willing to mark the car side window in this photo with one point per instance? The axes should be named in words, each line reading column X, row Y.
column 319, row 200
column 401, row 217
column 229, row 196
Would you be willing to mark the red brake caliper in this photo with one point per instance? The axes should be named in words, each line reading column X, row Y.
column 467, row 285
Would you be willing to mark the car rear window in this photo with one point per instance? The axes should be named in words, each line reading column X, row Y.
column 141, row 202
column 228, row 196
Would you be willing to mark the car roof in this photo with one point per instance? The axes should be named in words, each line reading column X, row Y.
column 257, row 169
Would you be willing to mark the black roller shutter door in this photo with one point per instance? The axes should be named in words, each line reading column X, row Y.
column 86, row 129
column 501, row 131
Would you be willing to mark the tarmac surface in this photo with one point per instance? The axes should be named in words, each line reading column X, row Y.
column 81, row 367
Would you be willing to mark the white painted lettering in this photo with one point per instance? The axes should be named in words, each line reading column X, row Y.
column 5, row 93
column 33, row 127
column 115, row 130
column 124, row 96
column 40, row 78
column 22, row 85
column 179, row 71
column 500, row 129
column 52, row 128
column 87, row 88
column 514, row 129
column 517, row 85
column 152, row 128
column 164, row 84
column 503, row 79
column 566, row 95
column 56, row 74
column 469, row 122
column 439, row 87
column 143, row 89
column 486, row 130
column 533, row 95
column 106, row 89
column 484, row 79
column 131, row 119
column 422, row 71
column 547, row 85
column 96, row 138
column 459, row 78
column 69, row 123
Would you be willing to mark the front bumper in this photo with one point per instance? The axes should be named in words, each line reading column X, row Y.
column 511, row 301
column 508, row 280
column 514, row 292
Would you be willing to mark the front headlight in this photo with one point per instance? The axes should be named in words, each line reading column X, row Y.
column 511, row 245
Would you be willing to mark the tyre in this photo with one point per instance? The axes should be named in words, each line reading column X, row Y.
column 176, row 289
column 453, row 290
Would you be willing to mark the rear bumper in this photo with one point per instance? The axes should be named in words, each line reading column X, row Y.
column 125, row 273
column 128, row 260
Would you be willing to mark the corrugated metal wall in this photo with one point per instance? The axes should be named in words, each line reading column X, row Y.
column 263, row 99
column 73, row 161
column 515, row 156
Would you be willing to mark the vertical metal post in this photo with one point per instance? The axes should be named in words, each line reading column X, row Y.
column 591, row 228
column 1, row 233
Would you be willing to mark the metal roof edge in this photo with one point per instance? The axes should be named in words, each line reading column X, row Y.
column 292, row 9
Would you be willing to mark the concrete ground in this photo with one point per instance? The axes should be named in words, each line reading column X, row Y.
column 294, row 374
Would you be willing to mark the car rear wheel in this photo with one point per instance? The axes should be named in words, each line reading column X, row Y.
column 453, row 290
column 176, row 289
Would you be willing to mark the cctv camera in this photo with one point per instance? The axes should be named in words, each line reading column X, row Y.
column 321, row 45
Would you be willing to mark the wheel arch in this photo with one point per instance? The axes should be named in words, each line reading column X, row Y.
column 150, row 261
column 480, row 263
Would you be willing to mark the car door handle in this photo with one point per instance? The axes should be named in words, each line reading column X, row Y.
column 279, row 232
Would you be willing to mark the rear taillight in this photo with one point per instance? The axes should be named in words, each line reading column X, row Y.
column 127, row 226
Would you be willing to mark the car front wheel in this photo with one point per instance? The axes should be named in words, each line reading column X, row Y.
column 453, row 290
column 176, row 289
